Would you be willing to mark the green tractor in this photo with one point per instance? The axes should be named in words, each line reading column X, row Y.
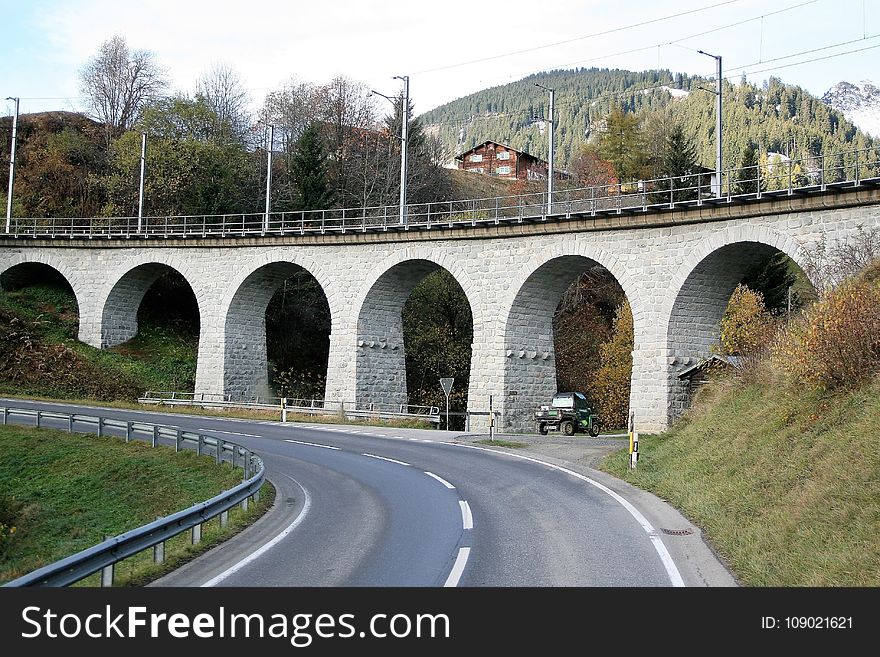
column 568, row 413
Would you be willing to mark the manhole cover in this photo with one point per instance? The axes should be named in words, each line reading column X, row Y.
column 677, row 532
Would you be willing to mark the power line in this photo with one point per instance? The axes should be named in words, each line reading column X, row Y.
column 580, row 38
column 686, row 38
column 631, row 92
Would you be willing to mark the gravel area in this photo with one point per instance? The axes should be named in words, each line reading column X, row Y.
column 580, row 449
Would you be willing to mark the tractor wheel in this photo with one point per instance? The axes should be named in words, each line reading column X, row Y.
column 542, row 428
column 594, row 428
column 568, row 428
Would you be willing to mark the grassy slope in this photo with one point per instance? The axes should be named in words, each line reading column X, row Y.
column 66, row 492
column 786, row 483
column 159, row 358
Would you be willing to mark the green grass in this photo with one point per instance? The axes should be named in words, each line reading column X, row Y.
column 502, row 443
column 65, row 492
column 160, row 357
column 784, row 481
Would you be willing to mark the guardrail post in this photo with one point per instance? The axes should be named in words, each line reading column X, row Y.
column 155, row 435
column 197, row 534
column 127, row 431
column 201, row 446
column 178, row 440
column 39, row 415
column 159, row 549
column 100, row 427
column 224, row 519
column 219, row 450
column 107, row 572
column 257, row 495
column 70, row 423
column 5, row 414
column 244, row 504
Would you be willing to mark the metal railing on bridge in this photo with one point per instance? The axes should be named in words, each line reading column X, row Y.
column 290, row 405
column 790, row 177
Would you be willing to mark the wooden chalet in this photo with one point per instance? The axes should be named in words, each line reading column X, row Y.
column 494, row 159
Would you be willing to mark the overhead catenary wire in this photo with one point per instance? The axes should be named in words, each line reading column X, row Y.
column 480, row 60
column 635, row 90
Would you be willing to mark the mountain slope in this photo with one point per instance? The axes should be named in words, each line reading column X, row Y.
column 776, row 116
column 860, row 103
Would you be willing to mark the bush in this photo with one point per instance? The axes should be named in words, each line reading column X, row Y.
column 611, row 384
column 747, row 328
column 837, row 342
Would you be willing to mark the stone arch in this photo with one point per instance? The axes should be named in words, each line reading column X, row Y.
column 527, row 324
column 243, row 317
column 380, row 363
column 120, row 299
column 34, row 257
column 700, row 291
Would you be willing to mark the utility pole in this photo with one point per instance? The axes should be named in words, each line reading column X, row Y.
column 12, row 167
column 552, row 147
column 718, row 108
column 404, row 127
column 141, row 190
column 269, row 148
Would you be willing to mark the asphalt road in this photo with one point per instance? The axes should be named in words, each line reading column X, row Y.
column 361, row 506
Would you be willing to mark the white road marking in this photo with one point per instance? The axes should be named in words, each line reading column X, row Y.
column 671, row 569
column 440, row 479
column 458, row 567
column 231, row 433
column 467, row 519
column 385, row 458
column 256, row 554
column 302, row 442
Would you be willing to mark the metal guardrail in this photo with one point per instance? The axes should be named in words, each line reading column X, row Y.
column 793, row 177
column 292, row 405
column 112, row 550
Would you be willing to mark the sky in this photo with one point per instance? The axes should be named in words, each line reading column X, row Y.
column 448, row 49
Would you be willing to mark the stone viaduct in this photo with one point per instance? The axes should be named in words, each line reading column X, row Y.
column 677, row 267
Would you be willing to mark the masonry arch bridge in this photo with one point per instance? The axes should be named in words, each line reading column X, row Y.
column 677, row 267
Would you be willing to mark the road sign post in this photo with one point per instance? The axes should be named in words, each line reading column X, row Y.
column 447, row 388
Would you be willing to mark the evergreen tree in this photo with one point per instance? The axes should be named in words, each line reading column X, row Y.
column 308, row 167
column 622, row 144
column 772, row 279
column 679, row 164
column 748, row 179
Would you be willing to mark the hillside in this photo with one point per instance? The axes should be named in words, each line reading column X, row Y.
column 768, row 463
column 778, row 117
column 40, row 356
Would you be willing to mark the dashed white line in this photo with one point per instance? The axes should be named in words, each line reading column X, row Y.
column 231, row 433
column 385, row 458
column 440, row 479
column 672, row 571
column 302, row 442
column 467, row 519
column 256, row 554
column 458, row 567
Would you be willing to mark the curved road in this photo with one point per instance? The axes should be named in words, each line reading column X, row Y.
column 362, row 506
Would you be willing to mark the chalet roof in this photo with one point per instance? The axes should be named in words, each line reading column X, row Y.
column 461, row 156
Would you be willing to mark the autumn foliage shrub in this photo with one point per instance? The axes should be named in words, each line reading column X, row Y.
column 837, row 342
column 611, row 383
column 747, row 328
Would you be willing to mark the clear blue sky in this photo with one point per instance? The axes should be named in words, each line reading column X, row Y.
column 45, row 42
